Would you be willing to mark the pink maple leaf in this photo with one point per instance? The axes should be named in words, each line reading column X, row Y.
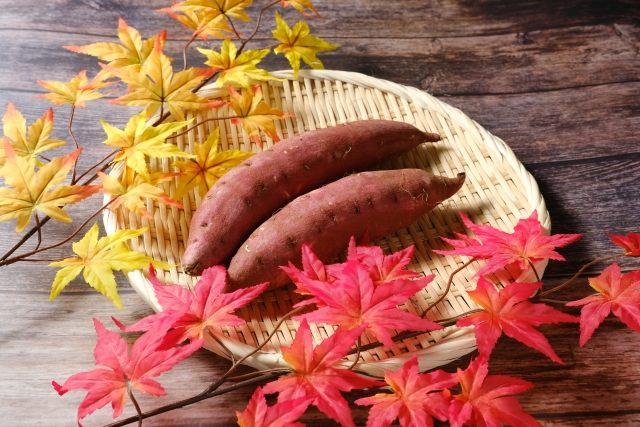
column 415, row 399
column 620, row 294
column 527, row 242
column 127, row 371
column 383, row 269
column 206, row 307
column 487, row 400
column 353, row 300
column 314, row 375
column 630, row 243
column 283, row 414
column 509, row 311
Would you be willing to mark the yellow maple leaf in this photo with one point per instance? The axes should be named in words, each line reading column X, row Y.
column 300, row 5
column 27, row 144
column 253, row 114
column 34, row 191
column 201, row 24
column 156, row 85
column 210, row 9
column 208, row 166
column 298, row 45
column 76, row 91
column 132, row 52
column 137, row 140
column 132, row 188
column 98, row 258
column 234, row 67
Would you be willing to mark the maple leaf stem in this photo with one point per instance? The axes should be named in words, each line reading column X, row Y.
column 258, row 373
column 195, row 399
column 534, row 270
column 39, row 227
column 135, row 403
column 229, row 352
column 44, row 158
column 187, row 130
column 113, row 153
column 596, row 261
column 224, row 377
column 554, row 301
column 255, row 30
column 75, row 141
column 46, row 219
column 448, row 288
column 233, row 27
column 62, row 242
column 359, row 349
column 184, row 51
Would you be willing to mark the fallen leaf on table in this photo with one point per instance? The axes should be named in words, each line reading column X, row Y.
column 202, row 24
column 210, row 9
column 76, row 92
column 300, row 5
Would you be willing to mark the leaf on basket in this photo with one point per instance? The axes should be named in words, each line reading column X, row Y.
column 527, row 242
column 132, row 188
column 211, row 9
column 138, row 140
column 127, row 371
column 34, row 191
column 619, row 294
column 155, row 85
column 353, row 300
column 209, row 166
column 487, row 400
column 314, row 375
column 97, row 258
column 237, row 68
column 415, row 399
column 77, row 91
column 27, row 144
column 383, row 268
column 509, row 311
column 630, row 243
column 202, row 24
column 254, row 114
column 297, row 45
column 258, row 414
column 132, row 52
column 206, row 307
column 300, row 5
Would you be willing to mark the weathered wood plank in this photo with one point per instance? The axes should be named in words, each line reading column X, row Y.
column 361, row 18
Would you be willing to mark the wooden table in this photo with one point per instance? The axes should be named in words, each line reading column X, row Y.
column 559, row 81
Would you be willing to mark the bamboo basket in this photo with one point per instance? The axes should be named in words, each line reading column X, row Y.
column 498, row 191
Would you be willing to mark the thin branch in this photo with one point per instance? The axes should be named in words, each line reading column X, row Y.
column 184, row 50
column 216, row 339
column 233, row 27
column 40, row 260
column 28, row 254
column 98, row 164
column 135, row 403
column 195, row 399
column 75, row 141
column 557, row 288
column 44, row 158
column 446, row 291
column 534, row 270
column 554, row 301
column 359, row 347
column 258, row 373
column 39, row 227
column 255, row 30
column 187, row 130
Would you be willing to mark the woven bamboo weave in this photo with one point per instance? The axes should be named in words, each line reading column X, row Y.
column 498, row 191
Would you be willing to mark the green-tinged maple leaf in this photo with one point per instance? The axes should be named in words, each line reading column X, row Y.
column 208, row 166
column 300, row 5
column 137, row 140
column 298, row 45
column 156, row 85
column 27, row 144
column 132, row 52
column 77, row 91
column 234, row 67
column 210, row 9
column 34, row 191
column 97, row 258
column 253, row 114
column 132, row 188
column 201, row 24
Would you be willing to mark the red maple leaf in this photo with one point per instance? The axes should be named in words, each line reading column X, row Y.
column 207, row 307
column 487, row 401
column 415, row 398
column 127, row 371
column 620, row 294
column 314, row 376
column 353, row 300
column 527, row 242
column 258, row 414
column 383, row 269
column 630, row 242
column 509, row 311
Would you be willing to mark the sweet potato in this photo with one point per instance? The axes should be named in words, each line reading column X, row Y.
column 251, row 192
column 381, row 202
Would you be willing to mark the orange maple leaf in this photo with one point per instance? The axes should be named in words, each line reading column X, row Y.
column 254, row 114
column 211, row 9
column 202, row 25
column 300, row 5
column 76, row 91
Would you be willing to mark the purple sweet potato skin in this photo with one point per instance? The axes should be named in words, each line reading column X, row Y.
column 381, row 202
column 251, row 192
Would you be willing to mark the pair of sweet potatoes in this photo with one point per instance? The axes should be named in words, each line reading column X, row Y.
column 251, row 193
